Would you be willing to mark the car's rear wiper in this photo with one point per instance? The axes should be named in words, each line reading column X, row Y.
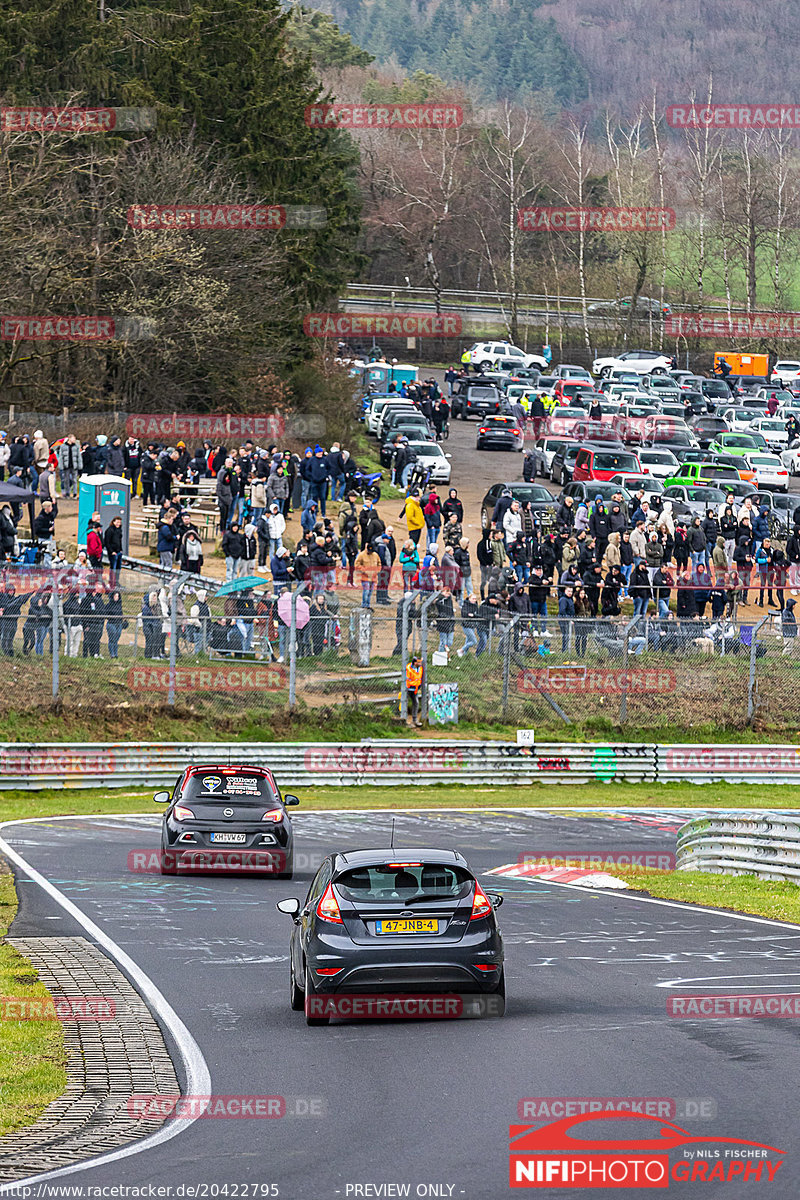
column 433, row 896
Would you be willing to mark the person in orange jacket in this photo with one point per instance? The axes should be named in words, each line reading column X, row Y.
column 414, row 686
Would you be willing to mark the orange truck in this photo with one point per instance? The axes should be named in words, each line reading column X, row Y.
column 743, row 364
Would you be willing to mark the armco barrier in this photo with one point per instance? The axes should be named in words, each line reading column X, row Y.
column 385, row 762
column 764, row 844
column 399, row 763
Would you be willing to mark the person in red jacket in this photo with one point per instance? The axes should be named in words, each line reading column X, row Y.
column 94, row 546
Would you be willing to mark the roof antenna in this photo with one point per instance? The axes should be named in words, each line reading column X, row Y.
column 391, row 839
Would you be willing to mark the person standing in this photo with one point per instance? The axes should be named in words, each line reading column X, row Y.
column 233, row 549
column 112, row 541
column 132, row 462
column 92, row 614
column 367, row 566
column 167, row 542
column 70, row 465
column 414, row 678
column 114, row 622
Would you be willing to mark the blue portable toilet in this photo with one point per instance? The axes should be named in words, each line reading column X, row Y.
column 109, row 496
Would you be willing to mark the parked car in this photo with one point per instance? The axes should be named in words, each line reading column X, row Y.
column 571, row 371
column 658, row 462
column 596, row 462
column 567, row 390
column 707, row 428
column 541, row 500
column 432, row 457
column 770, row 471
column 692, row 501
column 587, row 489
column 774, row 430
column 482, row 356
column 544, row 452
column 781, row 507
column 738, row 444
column 787, row 370
column 691, row 474
column 643, row 362
column 500, row 433
column 653, row 488
column 716, row 390
column 479, row 400
column 738, row 418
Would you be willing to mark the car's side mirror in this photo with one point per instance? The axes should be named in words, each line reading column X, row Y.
column 291, row 906
column 448, row 456
column 289, row 800
column 161, row 798
column 495, row 898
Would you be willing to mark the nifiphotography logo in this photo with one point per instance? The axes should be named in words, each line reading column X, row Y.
column 211, row 782
column 585, row 1151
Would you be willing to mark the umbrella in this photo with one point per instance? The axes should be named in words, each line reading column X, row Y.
column 241, row 585
column 285, row 610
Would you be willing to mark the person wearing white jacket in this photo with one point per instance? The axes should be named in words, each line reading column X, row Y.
column 512, row 523
column 639, row 543
column 276, row 523
column 5, row 454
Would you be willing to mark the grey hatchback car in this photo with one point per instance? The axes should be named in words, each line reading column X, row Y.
column 393, row 922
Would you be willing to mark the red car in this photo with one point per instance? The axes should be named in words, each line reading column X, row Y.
column 599, row 462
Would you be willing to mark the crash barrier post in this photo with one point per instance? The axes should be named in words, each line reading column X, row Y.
column 751, row 683
column 407, row 602
column 511, row 633
column 293, row 645
column 173, row 640
column 766, row 845
column 423, row 650
column 623, row 699
column 55, row 639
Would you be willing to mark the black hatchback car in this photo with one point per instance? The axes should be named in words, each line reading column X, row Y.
column 502, row 433
column 391, row 922
column 227, row 819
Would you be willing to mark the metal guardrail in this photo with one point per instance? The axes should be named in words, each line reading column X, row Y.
column 552, row 301
column 398, row 763
column 387, row 763
column 766, row 845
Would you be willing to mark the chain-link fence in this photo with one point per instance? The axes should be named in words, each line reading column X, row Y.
column 146, row 641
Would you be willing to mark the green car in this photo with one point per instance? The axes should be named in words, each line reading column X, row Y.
column 738, row 444
column 692, row 473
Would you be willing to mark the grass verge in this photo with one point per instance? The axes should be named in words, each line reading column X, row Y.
column 15, row 805
column 733, row 893
column 32, row 1055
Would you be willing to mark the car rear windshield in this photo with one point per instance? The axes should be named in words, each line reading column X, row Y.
column 615, row 462
column 706, row 495
column 500, row 422
column 246, row 787
column 483, row 393
column 392, row 881
column 534, row 491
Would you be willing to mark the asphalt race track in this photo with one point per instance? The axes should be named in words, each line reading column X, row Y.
column 423, row 1103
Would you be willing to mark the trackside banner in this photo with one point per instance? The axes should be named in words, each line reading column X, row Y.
column 222, row 426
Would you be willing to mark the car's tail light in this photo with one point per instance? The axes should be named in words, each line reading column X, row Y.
column 328, row 907
column 517, row 432
column 482, row 429
column 395, row 866
column 327, row 970
column 481, row 904
column 182, row 814
column 487, row 966
column 274, row 814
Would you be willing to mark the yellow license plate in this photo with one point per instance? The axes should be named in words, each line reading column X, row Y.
column 421, row 925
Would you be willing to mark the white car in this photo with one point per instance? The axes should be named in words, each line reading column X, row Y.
column 770, row 470
column 739, row 420
column 431, row 456
column 643, row 362
column 774, row 430
column 653, row 488
column 483, row 356
column 786, row 371
column 661, row 464
column 375, row 411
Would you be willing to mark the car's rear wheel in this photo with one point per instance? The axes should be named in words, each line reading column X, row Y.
column 484, row 366
column 564, row 478
column 168, row 863
column 308, row 997
column 297, row 996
